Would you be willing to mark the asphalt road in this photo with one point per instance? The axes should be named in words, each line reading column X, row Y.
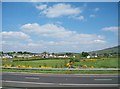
column 58, row 80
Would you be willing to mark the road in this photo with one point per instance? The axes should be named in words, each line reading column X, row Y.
column 58, row 80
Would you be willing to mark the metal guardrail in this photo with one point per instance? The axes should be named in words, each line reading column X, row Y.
column 62, row 68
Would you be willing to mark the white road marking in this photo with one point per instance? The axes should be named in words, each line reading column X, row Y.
column 28, row 82
column 112, row 85
column 103, row 79
column 62, row 84
column 31, row 78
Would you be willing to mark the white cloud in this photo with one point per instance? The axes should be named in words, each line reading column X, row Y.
column 14, row 35
column 81, row 18
column 14, row 40
column 59, row 10
column 21, row 46
column 47, row 30
column 87, row 39
column 99, row 41
column 41, row 7
column 51, row 38
column 96, row 9
column 62, row 34
column 111, row 29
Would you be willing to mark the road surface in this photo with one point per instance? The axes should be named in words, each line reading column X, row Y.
column 58, row 80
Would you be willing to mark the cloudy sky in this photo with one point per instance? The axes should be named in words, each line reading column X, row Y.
column 59, row 27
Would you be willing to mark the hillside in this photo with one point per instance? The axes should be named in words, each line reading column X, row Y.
column 107, row 50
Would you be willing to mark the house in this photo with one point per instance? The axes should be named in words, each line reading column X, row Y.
column 89, row 56
column 54, row 56
column 6, row 56
column 62, row 56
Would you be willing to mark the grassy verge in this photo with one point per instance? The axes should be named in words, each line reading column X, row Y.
column 63, row 72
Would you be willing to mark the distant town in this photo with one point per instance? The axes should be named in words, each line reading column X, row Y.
column 21, row 54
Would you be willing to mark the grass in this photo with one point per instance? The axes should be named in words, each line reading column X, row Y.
column 60, row 63
column 63, row 72
column 101, row 63
column 36, row 63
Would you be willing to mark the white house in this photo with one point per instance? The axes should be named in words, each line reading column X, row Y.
column 7, row 56
column 88, row 56
column 92, row 56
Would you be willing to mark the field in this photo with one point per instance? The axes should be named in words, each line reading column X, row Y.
column 61, row 63
column 101, row 63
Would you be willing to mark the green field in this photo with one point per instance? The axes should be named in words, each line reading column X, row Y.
column 101, row 63
column 60, row 63
column 50, row 63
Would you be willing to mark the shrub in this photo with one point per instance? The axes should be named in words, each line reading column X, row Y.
column 77, row 60
column 84, row 66
column 56, row 66
column 91, row 66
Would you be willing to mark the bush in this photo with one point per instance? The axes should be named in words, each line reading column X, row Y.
column 84, row 66
column 56, row 66
column 77, row 60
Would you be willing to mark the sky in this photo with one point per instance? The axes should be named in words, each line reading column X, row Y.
column 59, row 26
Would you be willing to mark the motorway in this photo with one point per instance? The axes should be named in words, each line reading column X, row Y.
column 58, row 80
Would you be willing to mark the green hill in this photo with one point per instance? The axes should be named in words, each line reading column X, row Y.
column 107, row 50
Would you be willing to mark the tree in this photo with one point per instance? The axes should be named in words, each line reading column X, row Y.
column 19, row 52
column 25, row 52
column 69, row 54
column 106, row 54
column 45, row 53
column 85, row 54
column 53, row 53
column 14, row 52
column 2, row 52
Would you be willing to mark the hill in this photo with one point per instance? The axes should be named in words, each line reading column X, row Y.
column 107, row 50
